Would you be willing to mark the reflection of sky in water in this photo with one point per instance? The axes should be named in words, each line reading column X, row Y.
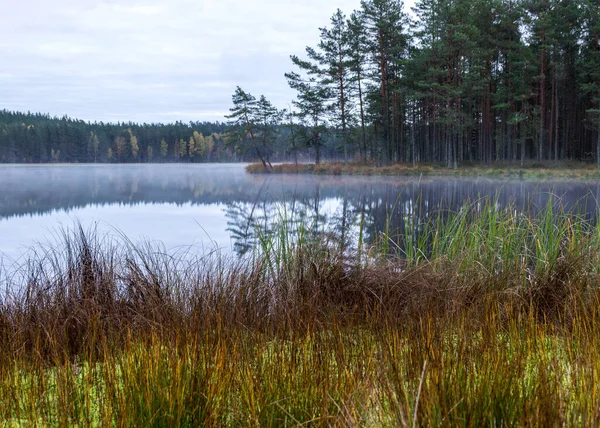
column 217, row 205
column 173, row 225
column 202, row 226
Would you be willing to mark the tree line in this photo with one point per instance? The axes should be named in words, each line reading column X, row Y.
column 40, row 138
column 455, row 81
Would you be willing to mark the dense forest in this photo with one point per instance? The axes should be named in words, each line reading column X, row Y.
column 35, row 138
column 40, row 138
column 456, row 80
column 453, row 81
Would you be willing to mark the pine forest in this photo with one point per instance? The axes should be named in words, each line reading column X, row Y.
column 447, row 82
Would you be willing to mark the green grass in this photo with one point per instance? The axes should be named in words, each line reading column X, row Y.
column 488, row 318
column 530, row 170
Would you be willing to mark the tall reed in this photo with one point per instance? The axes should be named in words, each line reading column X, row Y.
column 487, row 317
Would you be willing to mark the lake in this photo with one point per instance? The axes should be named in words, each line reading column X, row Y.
column 219, row 206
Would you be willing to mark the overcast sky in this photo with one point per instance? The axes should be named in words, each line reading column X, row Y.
column 152, row 60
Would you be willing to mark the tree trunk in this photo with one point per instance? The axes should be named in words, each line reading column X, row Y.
column 262, row 159
column 412, row 141
column 542, row 98
column 598, row 148
column 317, row 150
column 362, row 119
column 343, row 108
column 384, row 97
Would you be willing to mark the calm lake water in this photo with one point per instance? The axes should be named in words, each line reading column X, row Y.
column 220, row 206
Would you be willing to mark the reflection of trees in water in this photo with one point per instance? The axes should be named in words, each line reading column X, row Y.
column 404, row 213
column 241, row 224
column 245, row 220
column 40, row 190
column 390, row 211
column 300, row 214
column 293, row 214
column 339, row 205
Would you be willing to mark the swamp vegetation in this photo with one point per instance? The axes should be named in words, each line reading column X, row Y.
column 531, row 170
column 489, row 317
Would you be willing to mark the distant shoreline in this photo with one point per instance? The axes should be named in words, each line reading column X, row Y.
column 571, row 170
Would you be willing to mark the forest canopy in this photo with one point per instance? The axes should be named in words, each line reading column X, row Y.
column 40, row 138
column 454, row 81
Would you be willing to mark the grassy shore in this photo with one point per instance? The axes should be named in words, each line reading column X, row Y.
column 490, row 319
column 566, row 170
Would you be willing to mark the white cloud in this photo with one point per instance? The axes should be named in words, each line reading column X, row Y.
column 136, row 59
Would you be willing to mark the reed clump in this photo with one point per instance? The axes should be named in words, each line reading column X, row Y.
column 491, row 318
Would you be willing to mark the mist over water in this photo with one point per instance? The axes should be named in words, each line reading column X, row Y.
column 220, row 206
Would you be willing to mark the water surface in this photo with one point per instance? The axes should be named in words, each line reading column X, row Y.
column 220, row 206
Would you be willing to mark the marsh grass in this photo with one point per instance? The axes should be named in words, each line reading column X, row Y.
column 563, row 170
column 491, row 318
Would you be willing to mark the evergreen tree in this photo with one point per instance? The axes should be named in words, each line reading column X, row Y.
column 358, row 53
column 94, row 145
column 253, row 120
column 384, row 23
column 335, row 59
column 311, row 105
column 591, row 67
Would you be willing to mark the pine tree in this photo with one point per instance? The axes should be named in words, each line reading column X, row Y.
column 311, row 105
column 384, row 24
column 591, row 67
column 182, row 149
column 358, row 52
column 335, row 59
column 268, row 119
column 119, row 147
column 253, row 119
column 539, row 26
column 150, row 153
column 428, row 73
